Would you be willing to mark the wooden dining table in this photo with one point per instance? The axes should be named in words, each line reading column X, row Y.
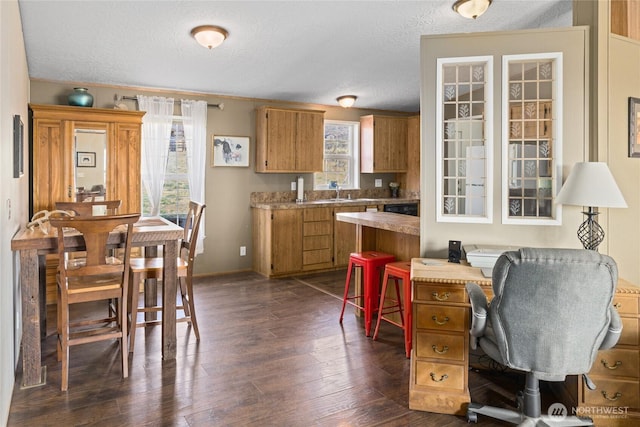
column 32, row 244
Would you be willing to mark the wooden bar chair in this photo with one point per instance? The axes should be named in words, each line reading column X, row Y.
column 152, row 268
column 91, row 208
column 97, row 277
column 397, row 271
column 87, row 208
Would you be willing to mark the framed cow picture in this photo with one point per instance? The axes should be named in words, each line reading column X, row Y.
column 230, row 151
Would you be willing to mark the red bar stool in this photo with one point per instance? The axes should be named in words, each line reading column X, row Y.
column 397, row 271
column 371, row 263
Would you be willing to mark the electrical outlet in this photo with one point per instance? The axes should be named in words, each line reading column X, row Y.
column 243, row 250
column 378, row 183
column 293, row 186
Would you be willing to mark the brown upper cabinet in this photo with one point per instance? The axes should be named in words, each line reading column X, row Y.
column 108, row 164
column 289, row 140
column 383, row 144
column 625, row 18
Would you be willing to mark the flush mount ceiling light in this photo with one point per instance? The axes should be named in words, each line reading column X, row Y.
column 209, row 36
column 346, row 101
column 471, row 8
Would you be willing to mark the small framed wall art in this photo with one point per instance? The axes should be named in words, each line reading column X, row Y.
column 634, row 127
column 85, row 159
column 18, row 147
column 230, row 150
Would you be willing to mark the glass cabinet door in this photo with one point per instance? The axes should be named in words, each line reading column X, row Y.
column 463, row 140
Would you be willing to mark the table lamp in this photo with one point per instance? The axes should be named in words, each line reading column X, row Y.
column 591, row 184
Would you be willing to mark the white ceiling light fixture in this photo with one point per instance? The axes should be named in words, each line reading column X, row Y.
column 471, row 8
column 209, row 36
column 346, row 101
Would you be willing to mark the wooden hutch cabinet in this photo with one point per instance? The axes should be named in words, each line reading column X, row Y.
column 53, row 154
column 383, row 144
column 289, row 140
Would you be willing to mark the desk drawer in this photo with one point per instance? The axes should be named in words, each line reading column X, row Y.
column 440, row 346
column 441, row 318
column 629, row 334
column 612, row 392
column 626, row 304
column 439, row 293
column 617, row 362
column 440, row 375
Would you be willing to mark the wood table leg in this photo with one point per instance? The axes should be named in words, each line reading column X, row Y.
column 33, row 374
column 170, row 254
column 150, row 287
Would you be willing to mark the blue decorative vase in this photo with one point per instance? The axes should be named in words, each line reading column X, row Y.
column 80, row 97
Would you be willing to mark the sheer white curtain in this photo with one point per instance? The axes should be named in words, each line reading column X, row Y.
column 194, row 119
column 156, row 133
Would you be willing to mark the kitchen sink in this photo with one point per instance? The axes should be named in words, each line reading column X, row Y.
column 341, row 200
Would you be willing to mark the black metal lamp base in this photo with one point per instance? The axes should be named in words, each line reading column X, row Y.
column 590, row 232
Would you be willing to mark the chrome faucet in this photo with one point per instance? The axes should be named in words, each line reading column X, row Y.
column 337, row 191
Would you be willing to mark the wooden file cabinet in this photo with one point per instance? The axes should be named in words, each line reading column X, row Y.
column 616, row 372
column 440, row 355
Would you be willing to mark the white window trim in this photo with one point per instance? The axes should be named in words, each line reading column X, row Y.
column 356, row 155
column 556, row 136
column 488, row 217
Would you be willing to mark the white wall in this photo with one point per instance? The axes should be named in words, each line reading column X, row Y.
column 14, row 96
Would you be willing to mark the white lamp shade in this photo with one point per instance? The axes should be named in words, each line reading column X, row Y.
column 471, row 8
column 591, row 184
column 209, row 36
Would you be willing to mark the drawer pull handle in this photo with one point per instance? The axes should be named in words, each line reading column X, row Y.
column 442, row 377
column 615, row 396
column 443, row 351
column 615, row 365
column 439, row 322
column 441, row 297
column 617, row 305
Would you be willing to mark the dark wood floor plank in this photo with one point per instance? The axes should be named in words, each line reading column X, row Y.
column 272, row 353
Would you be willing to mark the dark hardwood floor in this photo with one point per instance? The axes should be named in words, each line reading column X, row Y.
column 272, row 353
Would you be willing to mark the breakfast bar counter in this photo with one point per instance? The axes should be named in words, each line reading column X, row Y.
column 397, row 223
column 388, row 232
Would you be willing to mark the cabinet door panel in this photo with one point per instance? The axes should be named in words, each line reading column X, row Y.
column 123, row 180
column 344, row 237
column 281, row 137
column 52, row 165
column 286, row 242
column 310, row 130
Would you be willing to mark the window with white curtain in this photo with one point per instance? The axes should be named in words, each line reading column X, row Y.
column 174, row 202
column 173, row 158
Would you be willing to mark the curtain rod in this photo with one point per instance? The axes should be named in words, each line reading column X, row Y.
column 117, row 98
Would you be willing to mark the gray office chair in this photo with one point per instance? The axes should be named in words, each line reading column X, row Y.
column 550, row 315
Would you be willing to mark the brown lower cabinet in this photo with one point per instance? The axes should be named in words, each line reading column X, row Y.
column 292, row 241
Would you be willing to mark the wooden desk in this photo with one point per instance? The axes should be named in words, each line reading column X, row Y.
column 33, row 245
column 440, row 355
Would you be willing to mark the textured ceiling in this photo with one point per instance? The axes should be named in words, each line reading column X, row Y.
column 304, row 51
